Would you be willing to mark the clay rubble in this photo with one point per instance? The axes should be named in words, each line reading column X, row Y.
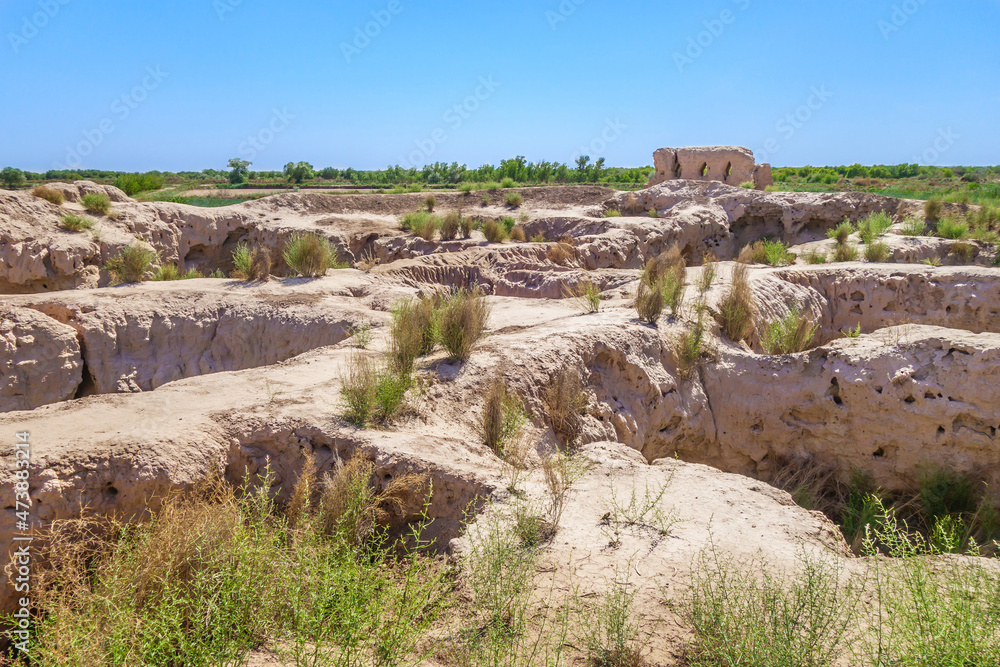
column 134, row 391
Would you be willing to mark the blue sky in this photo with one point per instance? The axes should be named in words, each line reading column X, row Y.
column 186, row 85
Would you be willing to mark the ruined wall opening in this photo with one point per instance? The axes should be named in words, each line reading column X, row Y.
column 704, row 170
column 677, row 169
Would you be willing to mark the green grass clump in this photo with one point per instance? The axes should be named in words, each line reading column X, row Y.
column 913, row 226
column 463, row 320
column 845, row 252
column 131, row 264
column 953, row 228
column 587, row 296
column 747, row 185
column 773, row 253
column 815, row 257
column 414, row 331
column 877, row 251
column 450, row 226
column 790, row 334
column 72, row 222
column 661, row 286
column 494, row 231
column 933, row 208
column 737, row 310
column 506, row 183
column 251, row 264
column 841, row 232
column 689, row 346
column 96, row 202
column 466, row 187
column 749, row 614
column 373, row 393
column 513, row 199
column 309, row 255
column 429, row 203
column 612, row 213
column 874, row 226
column 217, row 573
column 167, row 272
column 414, row 221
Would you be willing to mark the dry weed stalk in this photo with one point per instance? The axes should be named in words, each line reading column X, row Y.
column 566, row 403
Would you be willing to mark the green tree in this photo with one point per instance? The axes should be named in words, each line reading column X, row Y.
column 240, row 170
column 11, row 177
column 299, row 171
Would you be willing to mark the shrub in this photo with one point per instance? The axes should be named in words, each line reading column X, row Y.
column 486, row 199
column 50, row 195
column 96, row 202
column 372, row 393
column 612, row 213
column 464, row 317
column 517, row 234
column 466, row 225
column 502, row 417
column 309, row 255
column 566, row 404
column 450, row 226
column 845, row 252
column 690, row 345
column 653, row 213
column 610, row 633
column 790, row 334
column 133, row 184
column 75, row 223
column 250, row 264
column 413, row 332
column 560, row 253
column 513, row 199
column 587, row 296
column 494, row 231
column 952, row 228
column 841, row 232
column 876, row 251
column 874, row 226
column 815, row 257
column 428, row 227
column 709, row 270
column 131, row 264
column 649, row 302
column 466, row 188
column 430, row 203
column 933, row 208
column 166, row 272
column 962, row 251
column 913, row 226
column 737, row 311
column 414, row 221
column 774, row 253
column 746, row 614
column 747, row 185
column 11, row 177
column 507, row 183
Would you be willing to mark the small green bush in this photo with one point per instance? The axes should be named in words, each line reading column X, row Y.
column 131, row 264
column 166, row 272
column 96, row 202
column 72, row 222
column 737, row 310
column 788, row 335
column 502, row 417
column 841, row 232
column 450, row 226
column 773, row 253
column 513, row 199
column 414, row 221
column 309, row 255
column 747, row 185
column 251, row 264
column 845, row 252
column 874, row 226
column 933, row 208
column 494, row 231
column 414, row 331
column 612, row 213
column 877, row 251
column 372, row 393
column 952, row 228
column 463, row 320
column 507, row 183
column 913, row 226
column 429, row 203
column 815, row 257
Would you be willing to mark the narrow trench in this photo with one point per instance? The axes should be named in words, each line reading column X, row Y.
column 87, row 385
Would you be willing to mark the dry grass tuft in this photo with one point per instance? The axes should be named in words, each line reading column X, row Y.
column 464, row 317
column 737, row 310
column 251, row 264
column 309, row 255
column 450, row 226
column 565, row 404
column 502, row 417
column 494, row 231
column 50, row 195
column 517, row 234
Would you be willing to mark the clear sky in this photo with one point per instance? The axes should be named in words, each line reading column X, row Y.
column 188, row 84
